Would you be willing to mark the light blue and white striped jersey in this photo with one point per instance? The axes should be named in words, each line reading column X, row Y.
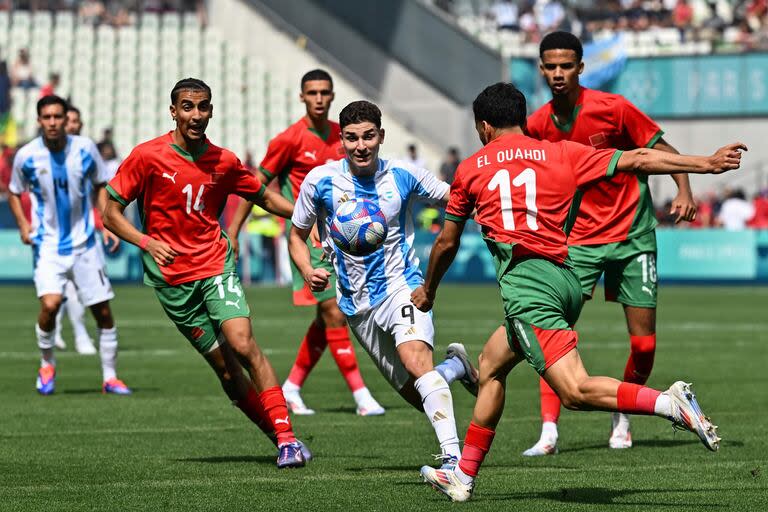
column 365, row 281
column 61, row 188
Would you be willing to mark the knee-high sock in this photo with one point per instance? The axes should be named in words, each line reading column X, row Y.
column 273, row 402
column 76, row 312
column 252, row 408
column 344, row 354
column 45, row 341
column 476, row 447
column 108, row 352
column 636, row 399
column 640, row 362
column 550, row 403
column 310, row 350
column 438, row 406
column 451, row 369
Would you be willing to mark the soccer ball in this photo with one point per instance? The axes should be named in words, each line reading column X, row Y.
column 358, row 227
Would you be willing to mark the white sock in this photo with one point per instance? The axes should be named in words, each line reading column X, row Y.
column 108, row 352
column 549, row 431
column 438, row 406
column 46, row 341
column 290, row 387
column 462, row 476
column 663, row 406
column 362, row 396
column 76, row 313
column 451, row 369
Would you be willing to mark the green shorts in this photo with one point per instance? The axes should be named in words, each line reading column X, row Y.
column 542, row 301
column 198, row 308
column 629, row 267
column 302, row 295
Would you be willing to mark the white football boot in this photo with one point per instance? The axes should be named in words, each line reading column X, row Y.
column 446, row 482
column 296, row 404
column 687, row 415
column 621, row 436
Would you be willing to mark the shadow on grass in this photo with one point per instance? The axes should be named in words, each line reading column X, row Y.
column 603, row 496
column 97, row 391
column 228, row 459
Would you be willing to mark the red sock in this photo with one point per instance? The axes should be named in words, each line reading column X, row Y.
column 640, row 362
column 251, row 407
column 476, row 445
column 344, row 354
column 273, row 401
column 636, row 399
column 310, row 350
column 550, row 403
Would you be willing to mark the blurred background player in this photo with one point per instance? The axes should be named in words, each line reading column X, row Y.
column 71, row 304
column 521, row 189
column 61, row 171
column 611, row 229
column 310, row 142
column 183, row 181
column 374, row 290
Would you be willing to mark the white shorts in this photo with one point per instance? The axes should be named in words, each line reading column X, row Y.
column 382, row 328
column 84, row 267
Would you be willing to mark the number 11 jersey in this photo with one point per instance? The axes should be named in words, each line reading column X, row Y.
column 180, row 198
column 522, row 189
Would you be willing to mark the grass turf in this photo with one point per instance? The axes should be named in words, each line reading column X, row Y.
column 177, row 444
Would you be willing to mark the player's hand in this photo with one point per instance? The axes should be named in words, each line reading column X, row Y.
column 111, row 241
column 318, row 279
column 727, row 158
column 161, row 252
column 25, row 233
column 685, row 207
column 421, row 299
column 235, row 244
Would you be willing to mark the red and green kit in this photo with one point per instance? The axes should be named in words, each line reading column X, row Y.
column 611, row 210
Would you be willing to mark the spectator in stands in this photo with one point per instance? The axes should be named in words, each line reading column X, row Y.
column 106, row 138
column 21, row 71
column 412, row 157
column 505, row 13
column 735, row 211
column 92, row 12
column 760, row 219
column 682, row 17
column 449, row 165
column 551, row 15
column 109, row 155
column 49, row 89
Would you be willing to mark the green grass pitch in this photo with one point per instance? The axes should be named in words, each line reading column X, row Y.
column 177, row 444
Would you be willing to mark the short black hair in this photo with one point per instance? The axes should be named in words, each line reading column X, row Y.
column 360, row 112
column 316, row 74
column 51, row 99
column 501, row 105
column 72, row 108
column 189, row 84
column 561, row 40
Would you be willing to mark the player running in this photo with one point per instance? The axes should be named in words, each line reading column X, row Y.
column 312, row 141
column 611, row 227
column 61, row 171
column 521, row 189
column 181, row 181
column 374, row 291
column 71, row 304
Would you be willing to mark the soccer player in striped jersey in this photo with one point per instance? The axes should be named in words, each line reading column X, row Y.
column 181, row 181
column 521, row 189
column 61, row 171
column 374, row 291
column 311, row 141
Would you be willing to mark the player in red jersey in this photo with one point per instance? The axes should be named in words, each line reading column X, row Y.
column 612, row 223
column 182, row 181
column 310, row 142
column 521, row 189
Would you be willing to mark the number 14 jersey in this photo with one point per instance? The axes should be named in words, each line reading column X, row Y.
column 180, row 198
column 522, row 189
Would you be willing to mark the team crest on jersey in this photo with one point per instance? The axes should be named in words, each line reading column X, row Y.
column 597, row 140
column 388, row 194
column 196, row 333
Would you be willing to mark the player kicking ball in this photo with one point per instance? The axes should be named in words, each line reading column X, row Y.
column 521, row 189
column 182, row 182
column 61, row 171
column 374, row 291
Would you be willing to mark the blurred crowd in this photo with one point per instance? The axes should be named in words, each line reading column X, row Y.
column 118, row 13
column 731, row 209
column 742, row 24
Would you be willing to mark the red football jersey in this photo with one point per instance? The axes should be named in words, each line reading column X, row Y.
column 180, row 200
column 610, row 210
column 296, row 151
column 522, row 188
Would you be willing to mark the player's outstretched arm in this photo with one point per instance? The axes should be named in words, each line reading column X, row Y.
column 275, row 203
column 316, row 278
column 445, row 249
column 651, row 161
column 14, row 202
column 114, row 220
